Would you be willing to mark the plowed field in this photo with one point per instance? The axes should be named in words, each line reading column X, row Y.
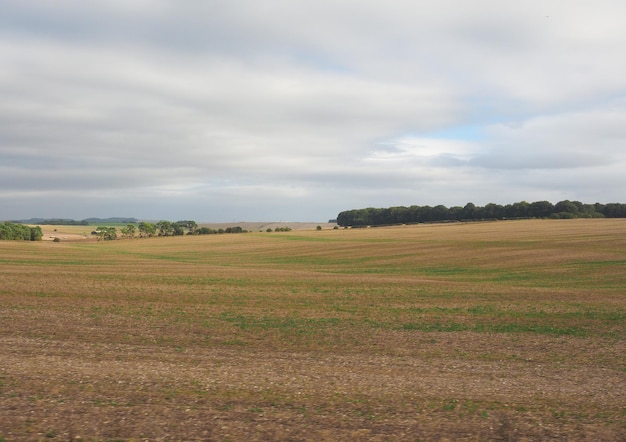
column 512, row 330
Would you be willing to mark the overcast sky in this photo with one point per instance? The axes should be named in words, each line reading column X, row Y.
column 254, row 110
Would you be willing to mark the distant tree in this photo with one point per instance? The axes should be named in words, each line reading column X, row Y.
column 423, row 214
column 493, row 211
column 205, row 231
column 16, row 231
column 129, row 231
column 580, row 206
column 177, row 229
column 469, row 211
column 599, row 208
column 541, row 209
column 567, row 207
column 165, row 228
column 189, row 225
column 146, row 229
column 517, row 210
column 413, row 214
column 236, row 229
column 563, row 215
column 62, row 222
column 36, row 234
column 106, row 233
column 456, row 213
column 614, row 210
column 346, row 218
column 589, row 211
column 440, row 213
column 398, row 215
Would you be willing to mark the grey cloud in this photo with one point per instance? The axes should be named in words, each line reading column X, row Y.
column 570, row 140
column 306, row 108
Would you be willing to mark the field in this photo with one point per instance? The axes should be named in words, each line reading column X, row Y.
column 511, row 330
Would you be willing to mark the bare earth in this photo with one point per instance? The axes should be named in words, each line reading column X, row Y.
column 315, row 336
column 115, row 391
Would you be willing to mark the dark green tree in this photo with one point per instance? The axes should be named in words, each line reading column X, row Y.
column 566, row 206
column 493, row 211
column 614, row 210
column 469, row 211
column 541, row 209
column 165, row 228
column 188, row 226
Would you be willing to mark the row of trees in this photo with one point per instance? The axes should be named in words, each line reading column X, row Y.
column 146, row 229
column 62, row 222
column 161, row 228
column 10, row 230
column 423, row 214
column 209, row 231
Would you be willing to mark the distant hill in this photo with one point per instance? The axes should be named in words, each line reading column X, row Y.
column 72, row 222
column 28, row 221
column 114, row 219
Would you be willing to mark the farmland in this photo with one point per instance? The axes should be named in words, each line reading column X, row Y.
column 512, row 330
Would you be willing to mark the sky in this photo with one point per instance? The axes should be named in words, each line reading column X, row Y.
column 270, row 110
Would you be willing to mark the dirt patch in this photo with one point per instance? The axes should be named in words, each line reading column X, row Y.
column 73, row 237
column 68, row 391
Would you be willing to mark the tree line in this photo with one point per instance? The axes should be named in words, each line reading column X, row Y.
column 470, row 212
column 146, row 229
column 72, row 222
column 62, row 222
column 9, row 230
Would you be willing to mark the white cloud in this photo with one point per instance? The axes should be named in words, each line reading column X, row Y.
column 308, row 108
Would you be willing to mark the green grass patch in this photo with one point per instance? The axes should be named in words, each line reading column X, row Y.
column 289, row 325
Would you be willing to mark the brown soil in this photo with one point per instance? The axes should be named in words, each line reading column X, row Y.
column 71, row 390
column 210, row 339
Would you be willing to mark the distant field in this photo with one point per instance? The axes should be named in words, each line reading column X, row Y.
column 510, row 330
column 82, row 233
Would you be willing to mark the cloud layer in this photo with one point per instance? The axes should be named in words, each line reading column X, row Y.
column 284, row 110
